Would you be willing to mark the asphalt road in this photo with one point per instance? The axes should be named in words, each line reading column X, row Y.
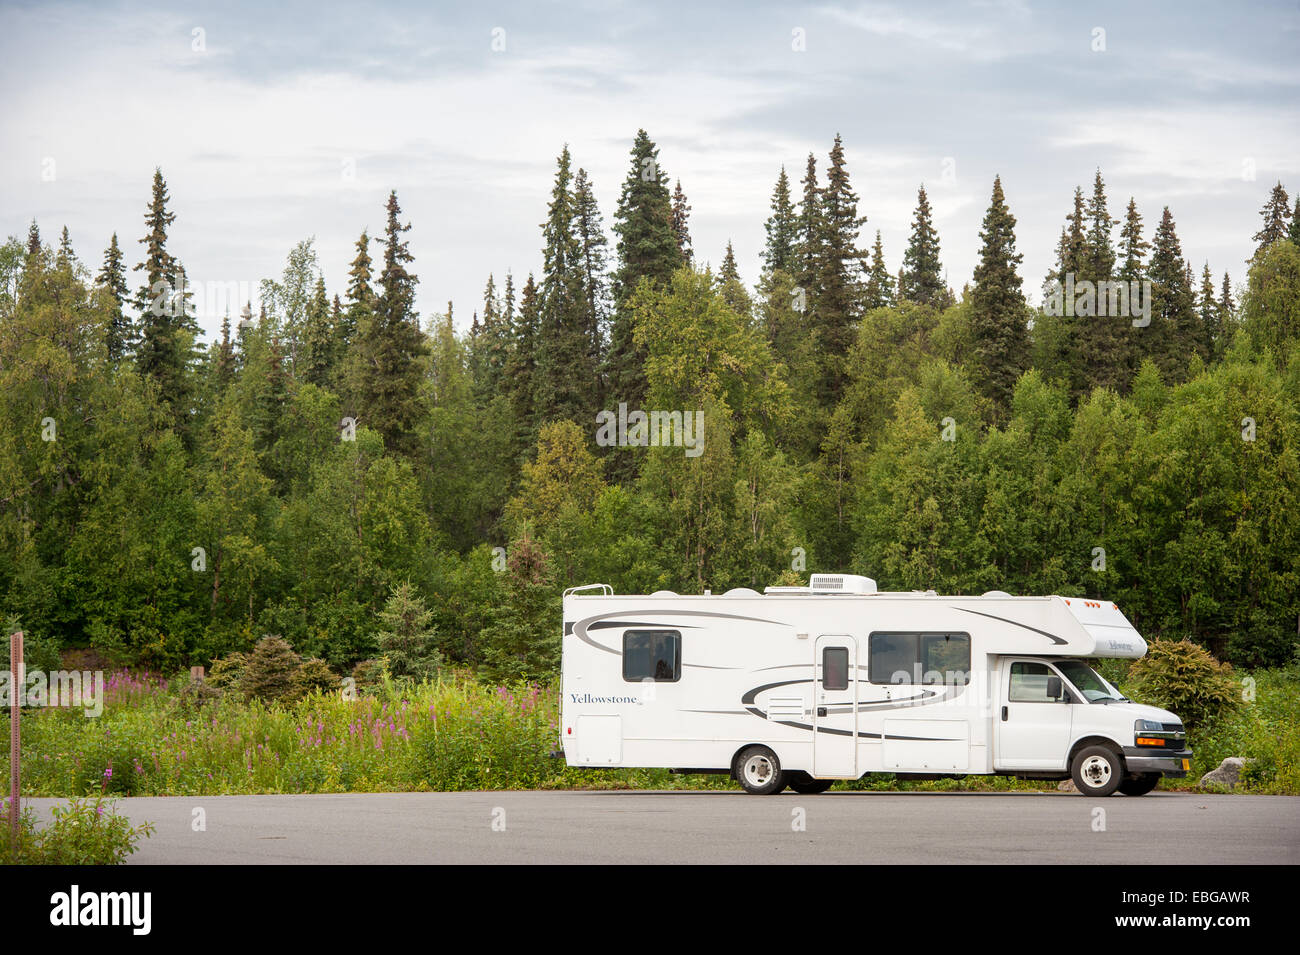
column 712, row 827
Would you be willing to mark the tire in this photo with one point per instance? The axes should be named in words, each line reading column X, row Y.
column 1139, row 785
column 1097, row 771
column 759, row 771
column 805, row 785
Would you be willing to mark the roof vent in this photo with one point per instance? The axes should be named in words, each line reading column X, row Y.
column 996, row 593
column 841, row 584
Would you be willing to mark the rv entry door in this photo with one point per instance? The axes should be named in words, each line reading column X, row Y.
column 835, row 707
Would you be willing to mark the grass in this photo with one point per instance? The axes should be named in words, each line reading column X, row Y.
column 456, row 734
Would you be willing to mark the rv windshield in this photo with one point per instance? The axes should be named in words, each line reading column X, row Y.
column 1089, row 682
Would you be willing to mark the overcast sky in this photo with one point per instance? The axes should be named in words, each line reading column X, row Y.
column 258, row 113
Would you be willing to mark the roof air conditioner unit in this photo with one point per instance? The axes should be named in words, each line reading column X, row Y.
column 841, row 584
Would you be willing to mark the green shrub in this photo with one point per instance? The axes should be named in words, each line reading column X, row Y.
column 314, row 674
column 225, row 674
column 269, row 670
column 1183, row 677
column 81, row 833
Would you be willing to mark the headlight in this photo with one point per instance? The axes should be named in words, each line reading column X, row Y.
column 1147, row 726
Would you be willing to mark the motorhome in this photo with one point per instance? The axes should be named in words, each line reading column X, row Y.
column 802, row 686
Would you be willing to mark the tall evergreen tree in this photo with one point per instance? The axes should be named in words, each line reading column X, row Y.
column 879, row 290
column 112, row 279
column 1102, row 340
column 1226, row 305
column 782, row 228
column 1132, row 246
column 731, row 286
column 647, row 249
column 1099, row 250
column 1276, row 213
column 521, row 369
column 1210, row 329
column 166, row 329
column 811, row 232
column 593, row 254
column 921, row 280
column 1294, row 234
column 1173, row 307
column 319, row 339
column 681, row 214
column 66, row 257
column 999, row 332
column 393, row 345
column 839, row 292
column 1072, row 249
column 565, row 381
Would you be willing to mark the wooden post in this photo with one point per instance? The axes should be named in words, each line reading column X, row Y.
column 16, row 686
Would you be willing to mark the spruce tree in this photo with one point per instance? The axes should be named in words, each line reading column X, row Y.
column 782, row 229
column 408, row 640
column 521, row 370
column 1132, row 246
column 112, row 279
column 319, row 339
column 393, row 345
column 1099, row 250
column 1210, row 330
column 565, row 379
column 223, row 368
column 166, row 329
column 66, row 257
column 839, row 292
column 681, row 215
column 879, row 290
column 593, row 253
column 1226, row 305
column 811, row 233
column 1276, row 213
column 921, row 280
column 1294, row 233
column 647, row 249
column 1103, row 339
column 731, row 286
column 1000, row 337
column 1173, row 312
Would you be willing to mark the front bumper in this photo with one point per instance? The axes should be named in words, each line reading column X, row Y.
column 1147, row 759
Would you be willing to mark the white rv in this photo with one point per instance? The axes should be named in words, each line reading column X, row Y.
column 801, row 686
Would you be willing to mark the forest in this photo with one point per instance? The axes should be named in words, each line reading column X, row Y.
column 335, row 460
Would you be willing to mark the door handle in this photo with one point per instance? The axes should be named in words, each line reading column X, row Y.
column 821, row 711
column 1004, row 714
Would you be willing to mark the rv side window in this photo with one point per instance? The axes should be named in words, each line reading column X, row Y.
column 835, row 668
column 911, row 658
column 652, row 655
column 945, row 658
column 1029, row 683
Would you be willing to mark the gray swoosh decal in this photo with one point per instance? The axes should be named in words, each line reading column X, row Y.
column 1055, row 639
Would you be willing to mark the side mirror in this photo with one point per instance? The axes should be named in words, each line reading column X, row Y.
column 1054, row 688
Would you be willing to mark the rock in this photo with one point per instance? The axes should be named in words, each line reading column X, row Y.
column 1066, row 786
column 1227, row 774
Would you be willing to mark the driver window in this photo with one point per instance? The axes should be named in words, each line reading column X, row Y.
column 1029, row 683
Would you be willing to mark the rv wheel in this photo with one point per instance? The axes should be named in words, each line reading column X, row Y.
column 1139, row 785
column 805, row 785
column 1097, row 771
column 759, row 771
